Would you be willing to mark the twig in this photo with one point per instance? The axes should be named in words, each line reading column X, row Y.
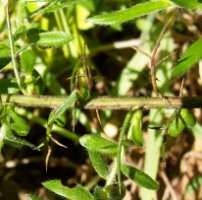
column 104, row 103
column 154, row 56
column 169, row 186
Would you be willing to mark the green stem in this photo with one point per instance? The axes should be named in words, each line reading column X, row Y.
column 41, row 121
column 112, row 174
column 66, row 29
column 11, row 42
column 120, row 146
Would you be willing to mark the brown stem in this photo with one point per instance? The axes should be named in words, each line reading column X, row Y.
column 111, row 103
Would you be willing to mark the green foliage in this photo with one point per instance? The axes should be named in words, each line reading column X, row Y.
column 135, row 129
column 69, row 102
column 189, row 58
column 8, row 86
column 53, row 55
column 27, row 61
column 98, row 144
column 130, row 13
column 48, row 39
column 139, row 177
column 179, row 120
column 5, row 53
column 99, row 163
column 76, row 193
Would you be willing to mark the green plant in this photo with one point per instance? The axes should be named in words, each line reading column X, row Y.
column 47, row 32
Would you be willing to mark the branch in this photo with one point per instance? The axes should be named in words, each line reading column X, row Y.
column 104, row 103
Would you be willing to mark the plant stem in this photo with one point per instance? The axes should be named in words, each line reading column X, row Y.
column 107, row 103
column 120, row 145
column 11, row 42
column 127, row 103
column 41, row 121
column 112, row 174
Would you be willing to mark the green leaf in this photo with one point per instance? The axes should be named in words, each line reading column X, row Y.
column 139, row 177
column 19, row 125
column 175, row 125
column 76, row 193
column 100, row 194
column 178, row 121
column 5, row 54
column 33, row 83
column 17, row 142
column 135, row 129
column 69, row 102
column 188, row 117
column 99, row 163
column 188, row 4
column 8, row 86
column 48, row 39
column 96, row 143
column 27, row 60
column 190, row 57
column 130, row 13
column 114, row 192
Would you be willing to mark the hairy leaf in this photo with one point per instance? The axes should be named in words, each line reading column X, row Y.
column 130, row 13
column 48, row 39
column 96, row 143
column 76, row 193
column 99, row 163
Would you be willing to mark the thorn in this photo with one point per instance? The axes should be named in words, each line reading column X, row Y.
column 58, row 143
column 47, row 157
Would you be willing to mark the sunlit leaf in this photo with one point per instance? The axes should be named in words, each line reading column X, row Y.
column 99, row 163
column 5, row 54
column 76, row 193
column 188, row 117
column 96, row 143
column 27, row 60
column 130, row 13
column 48, row 39
column 190, row 57
column 139, row 177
